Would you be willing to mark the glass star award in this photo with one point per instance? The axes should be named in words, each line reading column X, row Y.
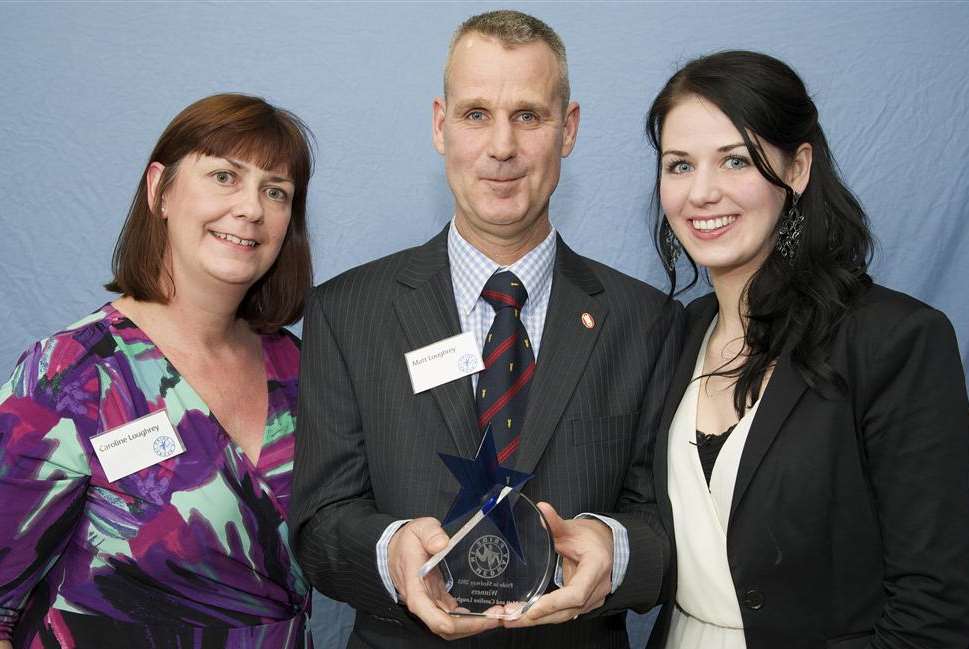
column 500, row 556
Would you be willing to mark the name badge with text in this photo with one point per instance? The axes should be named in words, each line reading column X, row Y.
column 443, row 361
column 137, row 445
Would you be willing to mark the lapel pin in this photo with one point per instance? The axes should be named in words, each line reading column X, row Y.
column 587, row 320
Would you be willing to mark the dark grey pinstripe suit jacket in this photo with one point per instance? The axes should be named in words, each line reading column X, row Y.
column 366, row 451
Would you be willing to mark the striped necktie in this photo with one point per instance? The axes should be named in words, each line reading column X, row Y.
column 502, row 392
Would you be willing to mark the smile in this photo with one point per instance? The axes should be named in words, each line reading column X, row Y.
column 708, row 225
column 231, row 238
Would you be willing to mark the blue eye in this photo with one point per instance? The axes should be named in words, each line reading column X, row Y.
column 679, row 167
column 476, row 115
column 528, row 117
column 736, row 162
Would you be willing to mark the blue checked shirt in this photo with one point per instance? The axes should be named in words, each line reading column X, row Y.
column 470, row 270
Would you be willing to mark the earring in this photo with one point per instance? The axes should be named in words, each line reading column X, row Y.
column 671, row 246
column 789, row 232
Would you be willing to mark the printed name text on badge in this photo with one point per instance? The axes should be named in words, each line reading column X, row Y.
column 443, row 361
column 137, row 445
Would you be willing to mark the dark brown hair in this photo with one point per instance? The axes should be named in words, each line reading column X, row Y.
column 233, row 126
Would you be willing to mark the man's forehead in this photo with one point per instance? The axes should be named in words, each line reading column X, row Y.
column 482, row 63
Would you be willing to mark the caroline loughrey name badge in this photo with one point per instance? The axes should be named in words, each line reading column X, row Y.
column 137, row 445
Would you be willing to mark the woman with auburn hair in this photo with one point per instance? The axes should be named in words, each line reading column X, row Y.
column 812, row 461
column 146, row 451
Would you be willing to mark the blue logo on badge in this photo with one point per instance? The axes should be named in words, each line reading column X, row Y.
column 467, row 363
column 164, row 446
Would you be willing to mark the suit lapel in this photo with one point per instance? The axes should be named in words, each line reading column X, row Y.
column 427, row 313
column 783, row 392
column 696, row 329
column 566, row 346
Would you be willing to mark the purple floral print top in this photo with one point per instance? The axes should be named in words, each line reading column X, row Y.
column 190, row 552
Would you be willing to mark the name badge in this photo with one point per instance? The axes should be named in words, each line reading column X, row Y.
column 443, row 361
column 137, row 445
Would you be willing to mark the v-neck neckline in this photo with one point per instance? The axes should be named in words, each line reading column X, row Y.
column 115, row 315
column 720, row 488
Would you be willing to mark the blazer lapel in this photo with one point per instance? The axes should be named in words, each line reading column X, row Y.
column 427, row 313
column 566, row 345
column 783, row 392
column 696, row 329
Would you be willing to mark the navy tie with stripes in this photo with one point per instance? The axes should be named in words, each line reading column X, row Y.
column 502, row 392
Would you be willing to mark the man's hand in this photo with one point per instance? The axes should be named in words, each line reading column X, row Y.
column 586, row 547
column 6, row 644
column 410, row 547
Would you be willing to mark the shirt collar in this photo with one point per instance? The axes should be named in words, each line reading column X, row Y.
column 471, row 268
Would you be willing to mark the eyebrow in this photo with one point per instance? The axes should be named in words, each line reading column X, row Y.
column 479, row 102
column 723, row 149
column 274, row 179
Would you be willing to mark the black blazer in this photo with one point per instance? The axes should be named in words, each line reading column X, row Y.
column 850, row 518
column 366, row 451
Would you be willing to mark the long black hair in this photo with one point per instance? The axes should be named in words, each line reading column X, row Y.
column 792, row 304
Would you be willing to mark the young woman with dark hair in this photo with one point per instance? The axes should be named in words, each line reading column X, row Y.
column 813, row 458
column 146, row 451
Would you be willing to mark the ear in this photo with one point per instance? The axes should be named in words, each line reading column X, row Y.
column 437, row 123
column 571, row 128
column 153, row 180
column 799, row 171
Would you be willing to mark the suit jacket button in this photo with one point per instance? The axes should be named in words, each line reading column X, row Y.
column 753, row 599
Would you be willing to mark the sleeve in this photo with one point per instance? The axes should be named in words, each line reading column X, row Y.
column 334, row 521
column 620, row 551
column 915, row 428
column 44, row 470
column 648, row 542
column 383, row 563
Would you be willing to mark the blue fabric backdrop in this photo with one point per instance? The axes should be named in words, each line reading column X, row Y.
column 87, row 89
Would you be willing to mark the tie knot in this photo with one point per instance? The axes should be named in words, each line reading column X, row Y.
column 504, row 289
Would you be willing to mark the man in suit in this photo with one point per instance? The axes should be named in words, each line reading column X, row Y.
column 589, row 355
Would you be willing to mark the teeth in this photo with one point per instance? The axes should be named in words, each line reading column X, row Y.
column 234, row 239
column 713, row 224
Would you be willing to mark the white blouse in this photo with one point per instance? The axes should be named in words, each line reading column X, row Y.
column 707, row 614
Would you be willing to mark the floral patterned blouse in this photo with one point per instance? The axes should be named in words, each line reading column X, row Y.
column 190, row 552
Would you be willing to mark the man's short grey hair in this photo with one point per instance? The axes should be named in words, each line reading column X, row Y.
column 513, row 28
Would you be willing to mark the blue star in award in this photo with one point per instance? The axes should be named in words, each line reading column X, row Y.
column 481, row 480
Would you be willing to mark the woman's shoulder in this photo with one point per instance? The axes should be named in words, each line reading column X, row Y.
column 880, row 301
column 66, row 350
column 58, row 378
column 885, row 329
column 282, row 353
column 891, row 313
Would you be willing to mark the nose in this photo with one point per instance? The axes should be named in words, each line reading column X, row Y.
column 249, row 206
column 502, row 145
column 705, row 188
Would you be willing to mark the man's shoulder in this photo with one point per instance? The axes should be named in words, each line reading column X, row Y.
column 622, row 289
column 370, row 276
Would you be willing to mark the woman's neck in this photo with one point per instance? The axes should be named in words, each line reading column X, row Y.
column 730, row 291
column 209, row 325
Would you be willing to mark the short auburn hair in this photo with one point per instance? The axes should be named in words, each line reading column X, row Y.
column 226, row 126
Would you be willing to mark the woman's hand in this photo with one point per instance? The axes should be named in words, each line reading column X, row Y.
column 6, row 644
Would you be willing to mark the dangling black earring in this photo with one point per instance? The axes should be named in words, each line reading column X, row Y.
column 789, row 232
column 671, row 246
